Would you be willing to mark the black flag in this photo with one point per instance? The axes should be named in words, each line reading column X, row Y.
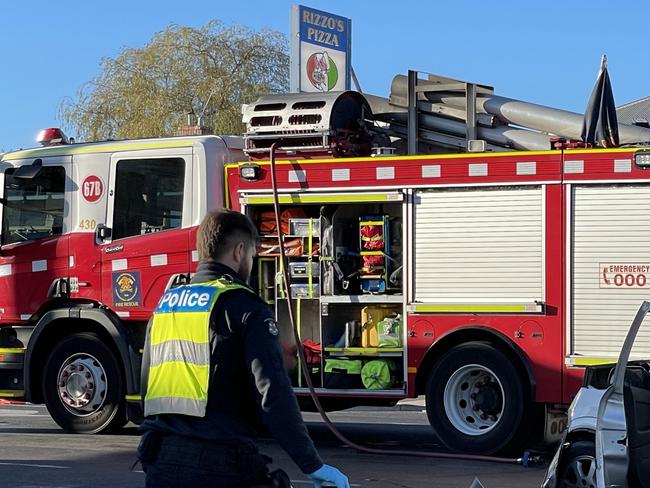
column 600, row 127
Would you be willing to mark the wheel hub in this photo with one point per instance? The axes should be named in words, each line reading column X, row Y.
column 474, row 399
column 580, row 473
column 82, row 384
column 488, row 399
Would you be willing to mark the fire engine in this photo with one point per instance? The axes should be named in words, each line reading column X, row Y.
column 484, row 281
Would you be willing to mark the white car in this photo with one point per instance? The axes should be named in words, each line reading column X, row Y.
column 607, row 441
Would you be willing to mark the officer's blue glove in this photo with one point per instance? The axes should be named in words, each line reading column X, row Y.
column 329, row 474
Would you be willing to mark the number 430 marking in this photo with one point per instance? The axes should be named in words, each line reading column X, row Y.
column 88, row 224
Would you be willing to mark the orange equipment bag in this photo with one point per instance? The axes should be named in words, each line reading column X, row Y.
column 266, row 220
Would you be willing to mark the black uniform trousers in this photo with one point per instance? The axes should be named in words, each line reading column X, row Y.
column 171, row 461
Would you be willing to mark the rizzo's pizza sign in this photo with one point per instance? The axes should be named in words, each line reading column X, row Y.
column 320, row 51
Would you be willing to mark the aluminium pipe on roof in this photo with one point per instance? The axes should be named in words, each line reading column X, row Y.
column 539, row 117
column 503, row 135
column 397, row 104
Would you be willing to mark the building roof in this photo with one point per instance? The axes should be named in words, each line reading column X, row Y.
column 638, row 110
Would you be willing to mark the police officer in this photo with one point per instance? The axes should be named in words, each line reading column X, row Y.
column 213, row 374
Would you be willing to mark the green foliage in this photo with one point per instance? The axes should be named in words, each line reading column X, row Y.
column 147, row 92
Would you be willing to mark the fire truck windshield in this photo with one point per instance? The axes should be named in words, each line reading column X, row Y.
column 33, row 206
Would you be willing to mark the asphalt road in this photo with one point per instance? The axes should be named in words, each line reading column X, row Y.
column 34, row 452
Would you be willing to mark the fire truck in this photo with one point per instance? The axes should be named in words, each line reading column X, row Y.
column 483, row 280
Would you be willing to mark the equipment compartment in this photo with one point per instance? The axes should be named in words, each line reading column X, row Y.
column 344, row 262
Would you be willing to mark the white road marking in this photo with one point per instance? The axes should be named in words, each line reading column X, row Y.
column 21, row 413
column 50, row 466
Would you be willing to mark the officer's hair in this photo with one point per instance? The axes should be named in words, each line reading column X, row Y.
column 221, row 230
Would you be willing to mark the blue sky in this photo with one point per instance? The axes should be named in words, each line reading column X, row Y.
column 544, row 52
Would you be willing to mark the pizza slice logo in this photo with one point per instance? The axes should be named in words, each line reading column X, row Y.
column 322, row 71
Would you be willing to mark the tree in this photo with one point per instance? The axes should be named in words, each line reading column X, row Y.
column 148, row 92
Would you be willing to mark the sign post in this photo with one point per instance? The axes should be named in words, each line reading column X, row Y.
column 320, row 51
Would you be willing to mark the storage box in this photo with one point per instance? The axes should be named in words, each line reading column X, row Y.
column 301, row 290
column 300, row 227
column 370, row 318
column 343, row 374
column 300, row 269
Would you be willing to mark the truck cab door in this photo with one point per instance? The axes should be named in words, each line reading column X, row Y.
column 618, row 448
column 35, row 227
column 145, row 244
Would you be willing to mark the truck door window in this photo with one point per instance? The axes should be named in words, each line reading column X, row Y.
column 34, row 206
column 148, row 196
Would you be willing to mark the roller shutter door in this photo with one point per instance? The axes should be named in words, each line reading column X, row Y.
column 610, row 267
column 479, row 246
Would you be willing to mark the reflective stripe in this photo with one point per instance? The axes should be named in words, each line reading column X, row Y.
column 429, row 157
column 12, row 350
column 471, row 308
column 95, row 148
column 183, row 406
column 347, row 198
column 588, row 361
column 178, row 379
column 12, row 393
column 182, row 351
column 189, row 326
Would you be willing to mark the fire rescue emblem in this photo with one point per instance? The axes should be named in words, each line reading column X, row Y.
column 322, row 71
column 126, row 289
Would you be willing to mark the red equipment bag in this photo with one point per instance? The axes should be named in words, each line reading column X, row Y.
column 313, row 352
column 372, row 237
column 372, row 263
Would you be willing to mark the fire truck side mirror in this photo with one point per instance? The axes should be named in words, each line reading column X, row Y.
column 103, row 233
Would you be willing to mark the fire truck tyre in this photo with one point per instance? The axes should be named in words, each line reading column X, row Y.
column 578, row 466
column 83, row 385
column 475, row 400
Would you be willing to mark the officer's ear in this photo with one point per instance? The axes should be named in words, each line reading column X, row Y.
column 239, row 250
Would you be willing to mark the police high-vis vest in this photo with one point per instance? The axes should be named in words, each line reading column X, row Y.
column 179, row 349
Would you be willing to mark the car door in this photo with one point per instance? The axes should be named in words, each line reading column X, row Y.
column 637, row 415
column 149, row 212
column 623, row 441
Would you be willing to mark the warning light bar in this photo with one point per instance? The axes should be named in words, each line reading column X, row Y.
column 52, row 136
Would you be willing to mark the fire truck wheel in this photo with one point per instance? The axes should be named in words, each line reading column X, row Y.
column 83, row 385
column 475, row 399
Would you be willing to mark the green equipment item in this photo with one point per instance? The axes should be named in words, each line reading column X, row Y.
column 343, row 374
column 389, row 331
column 378, row 374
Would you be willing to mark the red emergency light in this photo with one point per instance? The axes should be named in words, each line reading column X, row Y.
column 51, row 137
